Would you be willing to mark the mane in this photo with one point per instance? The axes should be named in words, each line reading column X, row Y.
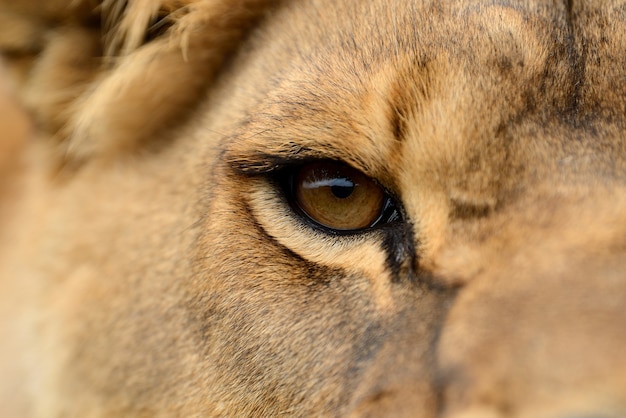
column 137, row 66
column 127, row 24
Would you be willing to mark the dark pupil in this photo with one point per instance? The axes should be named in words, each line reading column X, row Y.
column 342, row 187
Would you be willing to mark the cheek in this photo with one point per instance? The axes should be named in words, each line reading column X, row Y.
column 274, row 325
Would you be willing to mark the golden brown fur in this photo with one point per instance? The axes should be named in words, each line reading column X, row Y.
column 151, row 265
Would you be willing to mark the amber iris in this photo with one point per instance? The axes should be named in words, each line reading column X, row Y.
column 337, row 196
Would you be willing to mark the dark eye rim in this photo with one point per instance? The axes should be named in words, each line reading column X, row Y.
column 391, row 214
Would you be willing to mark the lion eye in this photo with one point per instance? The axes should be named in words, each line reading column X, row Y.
column 339, row 197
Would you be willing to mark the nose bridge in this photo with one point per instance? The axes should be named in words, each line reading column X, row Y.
column 536, row 329
column 398, row 379
column 540, row 327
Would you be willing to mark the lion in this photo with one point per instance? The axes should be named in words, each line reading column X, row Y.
column 313, row 208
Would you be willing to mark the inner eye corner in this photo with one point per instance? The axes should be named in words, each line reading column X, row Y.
column 338, row 199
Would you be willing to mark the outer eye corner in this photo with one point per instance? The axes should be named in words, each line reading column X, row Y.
column 338, row 198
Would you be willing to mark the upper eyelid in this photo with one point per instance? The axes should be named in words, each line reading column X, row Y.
column 258, row 163
column 261, row 163
column 266, row 155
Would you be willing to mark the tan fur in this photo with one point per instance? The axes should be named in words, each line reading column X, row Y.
column 150, row 264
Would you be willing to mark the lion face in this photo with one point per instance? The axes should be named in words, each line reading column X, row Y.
column 319, row 208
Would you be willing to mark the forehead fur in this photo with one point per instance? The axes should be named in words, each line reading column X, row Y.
column 455, row 129
column 329, row 99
